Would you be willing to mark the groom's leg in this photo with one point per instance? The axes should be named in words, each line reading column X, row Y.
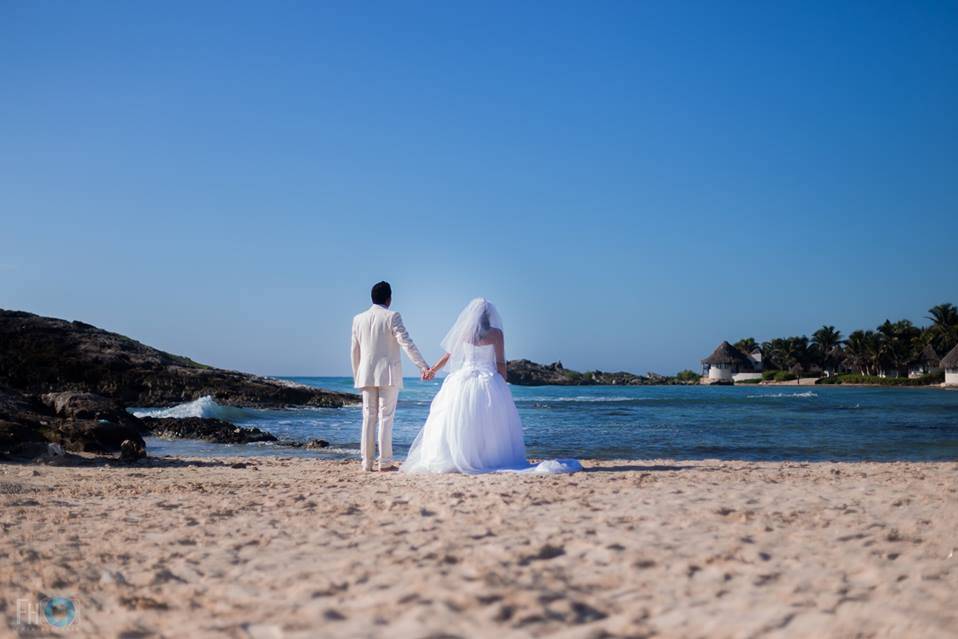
column 388, row 395
column 367, row 445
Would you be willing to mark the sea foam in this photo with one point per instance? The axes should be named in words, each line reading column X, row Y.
column 806, row 394
column 203, row 407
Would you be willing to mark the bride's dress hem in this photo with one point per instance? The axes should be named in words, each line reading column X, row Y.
column 545, row 467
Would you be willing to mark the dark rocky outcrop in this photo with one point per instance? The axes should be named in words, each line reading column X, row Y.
column 20, row 439
column 87, row 406
column 313, row 444
column 94, row 436
column 205, row 429
column 32, row 427
column 23, row 422
column 90, row 423
column 220, row 432
column 130, row 451
column 43, row 355
column 523, row 372
column 87, row 424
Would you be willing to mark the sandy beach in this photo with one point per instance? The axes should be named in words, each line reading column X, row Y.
column 275, row 547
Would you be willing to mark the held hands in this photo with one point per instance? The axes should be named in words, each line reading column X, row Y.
column 429, row 373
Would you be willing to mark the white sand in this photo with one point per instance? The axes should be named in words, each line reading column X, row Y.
column 304, row 548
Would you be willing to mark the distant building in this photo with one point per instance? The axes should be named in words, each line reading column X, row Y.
column 756, row 356
column 927, row 362
column 727, row 362
column 950, row 363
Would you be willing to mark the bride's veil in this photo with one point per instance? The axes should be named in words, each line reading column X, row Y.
column 473, row 323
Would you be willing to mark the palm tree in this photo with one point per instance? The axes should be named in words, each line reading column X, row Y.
column 874, row 352
column 783, row 353
column 746, row 345
column 778, row 354
column 945, row 315
column 863, row 351
column 944, row 326
column 801, row 352
column 827, row 342
column 897, row 344
column 826, row 338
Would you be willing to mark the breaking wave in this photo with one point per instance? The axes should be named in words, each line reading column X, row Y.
column 804, row 395
column 203, row 407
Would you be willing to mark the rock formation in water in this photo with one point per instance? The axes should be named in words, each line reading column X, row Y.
column 69, row 384
column 205, row 429
column 523, row 372
column 43, row 355
column 84, row 422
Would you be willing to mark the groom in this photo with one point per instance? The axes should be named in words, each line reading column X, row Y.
column 377, row 370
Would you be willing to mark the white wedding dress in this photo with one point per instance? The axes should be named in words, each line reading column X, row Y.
column 473, row 425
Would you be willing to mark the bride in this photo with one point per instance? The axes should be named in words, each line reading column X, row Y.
column 473, row 425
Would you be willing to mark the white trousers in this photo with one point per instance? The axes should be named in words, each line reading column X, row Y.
column 379, row 408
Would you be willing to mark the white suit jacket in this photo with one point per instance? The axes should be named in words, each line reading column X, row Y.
column 377, row 335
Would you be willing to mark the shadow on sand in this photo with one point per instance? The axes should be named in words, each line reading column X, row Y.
column 631, row 468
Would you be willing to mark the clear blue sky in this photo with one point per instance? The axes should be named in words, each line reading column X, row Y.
column 630, row 182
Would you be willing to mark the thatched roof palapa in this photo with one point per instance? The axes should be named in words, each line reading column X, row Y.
column 950, row 361
column 726, row 354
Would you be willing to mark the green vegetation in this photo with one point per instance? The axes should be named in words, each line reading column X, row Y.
column 892, row 346
column 852, row 378
column 687, row 377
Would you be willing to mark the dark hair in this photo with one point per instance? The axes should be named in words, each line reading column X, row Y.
column 382, row 293
column 484, row 321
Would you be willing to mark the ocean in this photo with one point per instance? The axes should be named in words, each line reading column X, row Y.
column 800, row 423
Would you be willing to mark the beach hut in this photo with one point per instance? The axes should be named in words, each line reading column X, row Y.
column 725, row 362
column 950, row 363
column 926, row 362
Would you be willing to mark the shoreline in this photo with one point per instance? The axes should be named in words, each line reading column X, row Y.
column 288, row 547
column 805, row 382
column 848, row 385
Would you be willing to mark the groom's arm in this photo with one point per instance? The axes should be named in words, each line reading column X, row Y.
column 402, row 336
column 357, row 353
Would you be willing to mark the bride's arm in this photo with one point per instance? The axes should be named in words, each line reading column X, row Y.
column 501, row 354
column 438, row 366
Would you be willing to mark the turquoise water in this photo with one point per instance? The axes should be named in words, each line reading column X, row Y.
column 677, row 422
